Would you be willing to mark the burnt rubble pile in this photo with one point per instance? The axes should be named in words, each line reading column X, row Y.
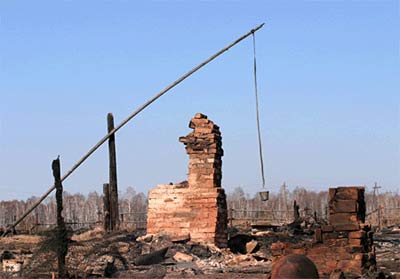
column 127, row 255
column 345, row 244
column 122, row 254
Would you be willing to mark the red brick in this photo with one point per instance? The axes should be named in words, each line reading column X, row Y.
column 332, row 235
column 319, row 250
column 355, row 249
column 347, row 206
column 336, row 242
column 346, row 227
column 352, row 264
column 355, row 241
column 360, row 256
column 318, row 235
column 357, row 234
column 343, row 218
column 331, row 264
column 298, row 251
column 349, row 193
column 327, row 228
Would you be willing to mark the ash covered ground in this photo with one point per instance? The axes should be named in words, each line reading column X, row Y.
column 95, row 254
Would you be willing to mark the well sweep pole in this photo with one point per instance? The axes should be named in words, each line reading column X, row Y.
column 132, row 115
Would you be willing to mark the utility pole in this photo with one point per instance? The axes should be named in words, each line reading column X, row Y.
column 377, row 204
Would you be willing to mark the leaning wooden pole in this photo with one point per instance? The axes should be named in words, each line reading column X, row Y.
column 112, row 175
column 132, row 115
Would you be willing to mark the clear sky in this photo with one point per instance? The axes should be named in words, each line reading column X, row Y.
column 328, row 84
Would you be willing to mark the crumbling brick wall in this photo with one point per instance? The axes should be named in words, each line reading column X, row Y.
column 346, row 243
column 198, row 207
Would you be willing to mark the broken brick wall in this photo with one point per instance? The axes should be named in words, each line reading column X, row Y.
column 346, row 243
column 197, row 207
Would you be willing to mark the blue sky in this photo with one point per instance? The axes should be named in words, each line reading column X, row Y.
column 328, row 82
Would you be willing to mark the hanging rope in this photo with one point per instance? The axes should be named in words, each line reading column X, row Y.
column 257, row 112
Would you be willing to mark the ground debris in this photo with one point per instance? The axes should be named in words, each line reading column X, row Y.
column 117, row 254
column 155, row 257
column 182, row 257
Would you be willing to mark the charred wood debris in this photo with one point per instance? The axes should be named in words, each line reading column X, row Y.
column 122, row 254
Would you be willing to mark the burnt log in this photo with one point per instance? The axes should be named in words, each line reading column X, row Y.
column 155, row 257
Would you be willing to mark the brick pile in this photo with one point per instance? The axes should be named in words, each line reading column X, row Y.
column 197, row 208
column 346, row 243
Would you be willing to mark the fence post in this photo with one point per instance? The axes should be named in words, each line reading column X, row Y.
column 106, row 206
column 114, row 215
column 296, row 213
column 231, row 219
column 62, row 239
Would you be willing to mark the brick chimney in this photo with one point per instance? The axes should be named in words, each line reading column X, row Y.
column 198, row 207
column 204, row 147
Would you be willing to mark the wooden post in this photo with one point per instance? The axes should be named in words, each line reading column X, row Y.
column 377, row 204
column 114, row 215
column 106, row 206
column 37, row 218
column 296, row 213
column 62, row 239
column 285, row 203
column 99, row 216
column 231, row 217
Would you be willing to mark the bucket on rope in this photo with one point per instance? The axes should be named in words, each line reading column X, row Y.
column 264, row 195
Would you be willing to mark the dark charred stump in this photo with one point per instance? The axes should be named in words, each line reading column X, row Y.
column 155, row 257
column 61, row 231
column 296, row 211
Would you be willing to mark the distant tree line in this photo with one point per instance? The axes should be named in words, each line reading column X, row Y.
column 79, row 210
column 82, row 209
column 279, row 207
